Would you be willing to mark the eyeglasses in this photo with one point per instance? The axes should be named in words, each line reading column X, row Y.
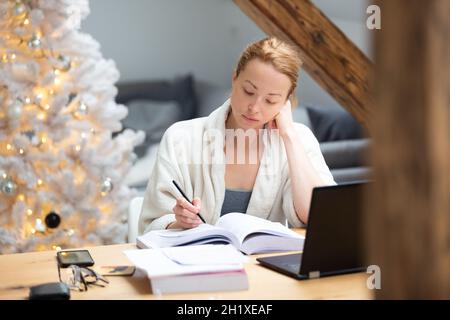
column 79, row 278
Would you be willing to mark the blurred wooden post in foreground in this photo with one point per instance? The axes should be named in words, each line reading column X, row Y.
column 408, row 213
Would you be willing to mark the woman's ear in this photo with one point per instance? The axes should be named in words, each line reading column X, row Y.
column 234, row 77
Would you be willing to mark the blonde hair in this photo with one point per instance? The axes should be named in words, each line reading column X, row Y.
column 282, row 55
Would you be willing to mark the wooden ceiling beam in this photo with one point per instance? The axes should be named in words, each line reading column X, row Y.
column 329, row 57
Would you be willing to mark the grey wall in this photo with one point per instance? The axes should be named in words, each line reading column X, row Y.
column 154, row 39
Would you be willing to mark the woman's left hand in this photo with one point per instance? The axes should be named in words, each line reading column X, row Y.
column 283, row 120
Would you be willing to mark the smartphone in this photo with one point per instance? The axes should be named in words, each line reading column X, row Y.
column 81, row 258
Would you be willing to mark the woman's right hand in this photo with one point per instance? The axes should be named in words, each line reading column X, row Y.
column 186, row 214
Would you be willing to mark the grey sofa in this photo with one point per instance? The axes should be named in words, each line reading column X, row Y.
column 155, row 104
column 343, row 141
column 347, row 159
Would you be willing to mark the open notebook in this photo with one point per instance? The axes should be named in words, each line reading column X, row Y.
column 247, row 233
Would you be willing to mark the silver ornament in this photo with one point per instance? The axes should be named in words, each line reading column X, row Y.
column 19, row 9
column 15, row 110
column 31, row 135
column 34, row 42
column 71, row 98
column 64, row 63
column 106, row 186
column 8, row 187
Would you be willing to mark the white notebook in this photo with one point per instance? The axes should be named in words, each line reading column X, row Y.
column 247, row 233
column 191, row 269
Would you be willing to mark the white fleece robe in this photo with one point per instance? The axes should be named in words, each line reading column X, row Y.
column 181, row 157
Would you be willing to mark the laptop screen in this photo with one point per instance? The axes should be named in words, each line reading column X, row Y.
column 334, row 240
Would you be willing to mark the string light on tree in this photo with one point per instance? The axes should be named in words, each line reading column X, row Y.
column 77, row 148
column 48, row 91
column 39, row 97
column 81, row 111
column 39, row 226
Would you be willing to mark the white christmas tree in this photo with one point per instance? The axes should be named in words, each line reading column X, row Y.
column 61, row 169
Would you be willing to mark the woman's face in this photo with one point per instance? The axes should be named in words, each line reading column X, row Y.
column 257, row 95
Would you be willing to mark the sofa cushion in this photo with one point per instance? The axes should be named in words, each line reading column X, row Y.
column 354, row 174
column 180, row 90
column 209, row 97
column 334, row 124
column 152, row 117
column 154, row 105
column 345, row 153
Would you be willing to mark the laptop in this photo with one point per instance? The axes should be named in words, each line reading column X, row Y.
column 333, row 242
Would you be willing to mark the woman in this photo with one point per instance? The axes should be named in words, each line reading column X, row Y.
column 246, row 156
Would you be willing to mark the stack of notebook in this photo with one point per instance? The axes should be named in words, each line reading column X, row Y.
column 191, row 269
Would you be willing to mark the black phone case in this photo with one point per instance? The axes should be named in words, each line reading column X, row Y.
column 50, row 291
column 63, row 264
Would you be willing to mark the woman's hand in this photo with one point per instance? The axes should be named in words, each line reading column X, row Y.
column 283, row 120
column 186, row 214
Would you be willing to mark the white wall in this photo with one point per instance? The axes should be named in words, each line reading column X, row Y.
column 154, row 39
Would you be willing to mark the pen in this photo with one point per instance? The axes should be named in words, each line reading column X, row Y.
column 182, row 193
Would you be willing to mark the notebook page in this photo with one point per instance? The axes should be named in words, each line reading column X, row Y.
column 156, row 264
column 204, row 233
column 205, row 254
column 241, row 225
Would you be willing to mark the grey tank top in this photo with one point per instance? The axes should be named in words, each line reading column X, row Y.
column 235, row 201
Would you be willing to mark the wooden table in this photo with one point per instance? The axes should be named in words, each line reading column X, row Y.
column 20, row 271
